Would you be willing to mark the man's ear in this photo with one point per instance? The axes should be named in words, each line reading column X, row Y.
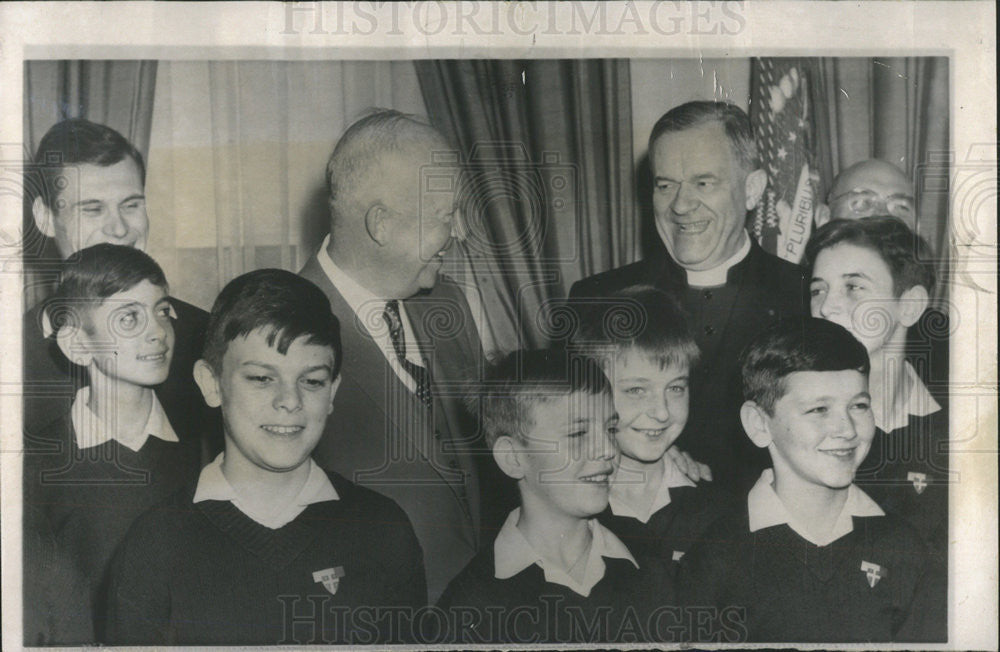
column 912, row 304
column 755, row 423
column 755, row 184
column 333, row 392
column 376, row 223
column 73, row 344
column 822, row 215
column 505, row 454
column 204, row 377
column 43, row 217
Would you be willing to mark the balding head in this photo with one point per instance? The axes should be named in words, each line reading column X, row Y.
column 872, row 188
column 387, row 229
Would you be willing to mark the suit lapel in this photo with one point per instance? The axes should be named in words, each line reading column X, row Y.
column 363, row 359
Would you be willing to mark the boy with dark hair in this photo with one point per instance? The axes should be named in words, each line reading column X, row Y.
column 873, row 277
column 812, row 558
column 87, row 186
column 93, row 470
column 554, row 574
column 649, row 353
column 268, row 548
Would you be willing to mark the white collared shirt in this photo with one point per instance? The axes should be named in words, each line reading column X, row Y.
column 369, row 310
column 919, row 403
column 513, row 553
column 672, row 477
column 212, row 485
column 91, row 431
column 767, row 510
column 717, row 276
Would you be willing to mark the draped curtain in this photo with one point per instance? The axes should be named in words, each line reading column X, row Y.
column 894, row 109
column 115, row 93
column 548, row 149
column 238, row 157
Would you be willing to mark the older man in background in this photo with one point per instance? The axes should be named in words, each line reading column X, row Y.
column 398, row 425
column 869, row 188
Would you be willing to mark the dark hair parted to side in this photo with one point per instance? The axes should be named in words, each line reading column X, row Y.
column 78, row 141
column 95, row 273
column 905, row 253
column 732, row 118
column 639, row 318
column 791, row 345
column 282, row 304
column 519, row 381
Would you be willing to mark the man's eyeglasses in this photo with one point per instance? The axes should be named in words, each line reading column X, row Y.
column 866, row 203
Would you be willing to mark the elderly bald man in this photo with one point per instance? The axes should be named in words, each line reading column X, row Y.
column 870, row 188
column 409, row 341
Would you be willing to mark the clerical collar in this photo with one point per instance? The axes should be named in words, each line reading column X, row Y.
column 715, row 277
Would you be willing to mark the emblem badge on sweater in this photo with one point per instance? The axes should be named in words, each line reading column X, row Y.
column 919, row 481
column 873, row 572
column 330, row 577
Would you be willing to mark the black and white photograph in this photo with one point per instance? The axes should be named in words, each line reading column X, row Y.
column 499, row 325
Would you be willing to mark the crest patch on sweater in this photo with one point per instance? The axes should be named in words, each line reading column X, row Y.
column 919, row 481
column 873, row 572
column 330, row 577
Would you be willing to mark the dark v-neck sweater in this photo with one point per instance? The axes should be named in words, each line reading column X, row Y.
column 772, row 585
column 204, row 573
column 78, row 506
column 527, row 609
column 674, row 528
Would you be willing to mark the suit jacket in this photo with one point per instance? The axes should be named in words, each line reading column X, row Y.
column 50, row 380
column 383, row 437
column 759, row 290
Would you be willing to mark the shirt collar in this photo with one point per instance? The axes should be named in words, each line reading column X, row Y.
column 919, row 403
column 90, row 430
column 212, row 485
column 718, row 275
column 513, row 553
column 766, row 510
column 672, row 477
column 369, row 309
column 362, row 301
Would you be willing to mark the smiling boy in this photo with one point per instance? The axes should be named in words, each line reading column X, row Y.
column 872, row 276
column 554, row 573
column 812, row 557
column 654, row 506
column 114, row 454
column 267, row 548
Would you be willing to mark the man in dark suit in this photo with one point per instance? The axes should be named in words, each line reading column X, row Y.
column 398, row 425
column 92, row 190
column 706, row 177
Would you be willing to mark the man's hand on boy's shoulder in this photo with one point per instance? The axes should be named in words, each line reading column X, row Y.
column 693, row 469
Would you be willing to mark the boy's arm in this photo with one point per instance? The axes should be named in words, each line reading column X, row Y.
column 138, row 593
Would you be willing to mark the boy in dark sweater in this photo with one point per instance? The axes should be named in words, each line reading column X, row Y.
column 654, row 507
column 873, row 276
column 554, row 574
column 93, row 470
column 268, row 548
column 812, row 557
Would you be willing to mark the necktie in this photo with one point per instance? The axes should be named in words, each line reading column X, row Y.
column 419, row 374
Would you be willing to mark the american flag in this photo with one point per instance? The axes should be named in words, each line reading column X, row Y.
column 780, row 112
